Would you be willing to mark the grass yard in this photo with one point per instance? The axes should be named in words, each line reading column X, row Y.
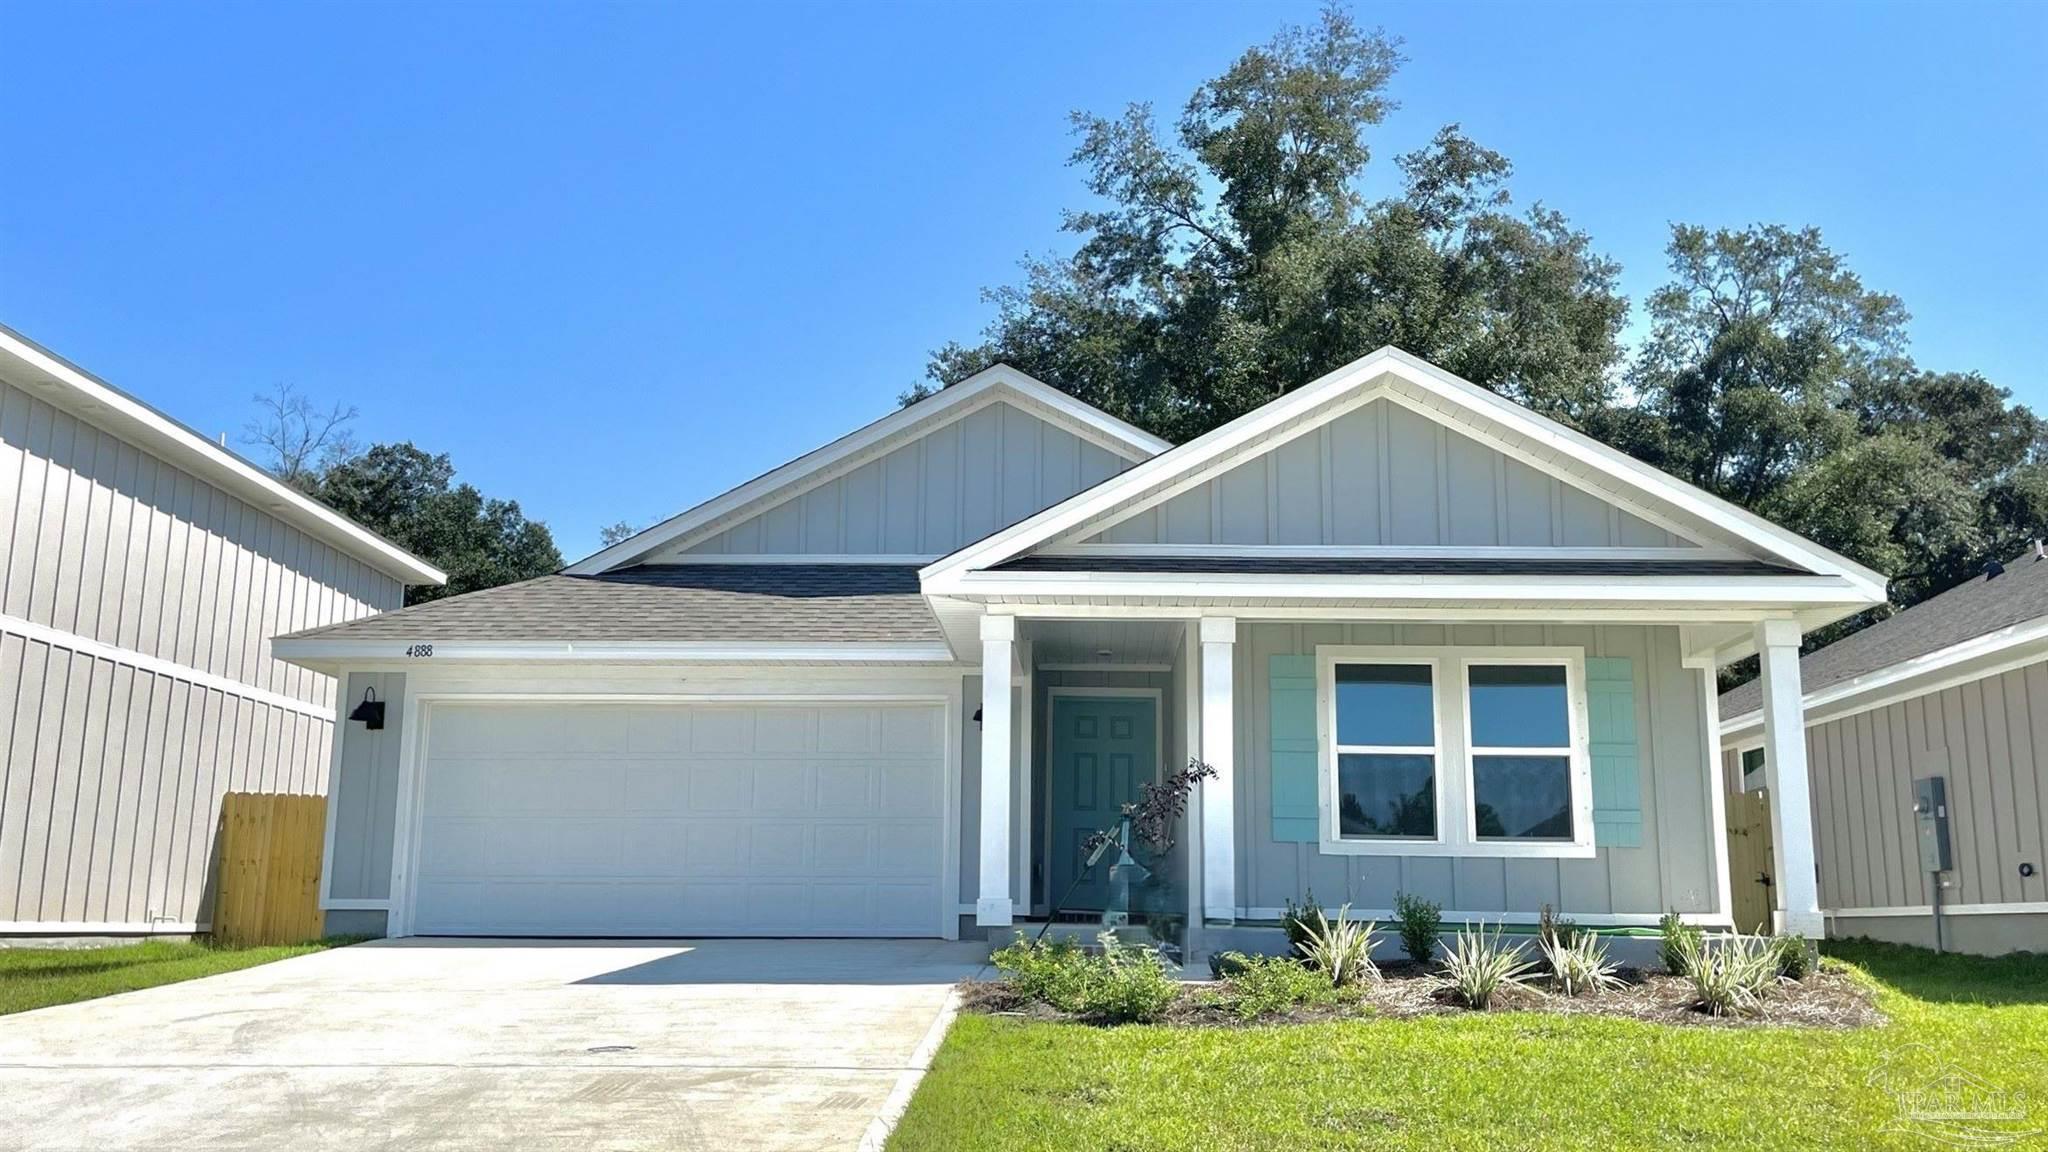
column 1496, row 1080
column 41, row 977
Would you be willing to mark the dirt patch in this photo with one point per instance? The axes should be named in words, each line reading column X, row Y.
column 1826, row 999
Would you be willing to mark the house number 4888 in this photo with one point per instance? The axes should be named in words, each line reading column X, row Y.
column 417, row 650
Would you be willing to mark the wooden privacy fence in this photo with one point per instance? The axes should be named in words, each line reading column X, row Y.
column 270, row 848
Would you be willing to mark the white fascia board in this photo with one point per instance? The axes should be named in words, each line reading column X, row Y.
column 1210, row 452
column 1777, row 594
column 314, row 651
column 1974, row 659
column 941, row 407
column 44, row 374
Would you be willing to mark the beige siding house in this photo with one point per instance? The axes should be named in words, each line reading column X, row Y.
column 1429, row 642
column 143, row 570
column 1955, row 687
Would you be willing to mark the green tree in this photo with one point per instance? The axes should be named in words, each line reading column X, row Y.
column 1753, row 352
column 410, row 497
column 1773, row 377
column 1238, row 259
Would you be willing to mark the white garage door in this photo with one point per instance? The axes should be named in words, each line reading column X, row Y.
column 820, row 819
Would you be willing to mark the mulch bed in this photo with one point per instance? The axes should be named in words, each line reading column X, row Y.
column 1826, row 999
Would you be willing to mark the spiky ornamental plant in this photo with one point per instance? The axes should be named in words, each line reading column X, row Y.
column 1479, row 965
column 1731, row 976
column 1341, row 948
column 1578, row 964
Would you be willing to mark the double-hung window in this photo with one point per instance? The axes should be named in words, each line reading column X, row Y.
column 1454, row 751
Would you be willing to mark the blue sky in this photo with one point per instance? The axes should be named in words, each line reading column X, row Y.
column 617, row 258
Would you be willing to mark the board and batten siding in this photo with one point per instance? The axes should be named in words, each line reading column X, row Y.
column 1676, row 866
column 1383, row 475
column 946, row 489
column 137, row 684
column 1989, row 737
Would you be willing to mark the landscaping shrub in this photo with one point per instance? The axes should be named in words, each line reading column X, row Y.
column 1680, row 940
column 1478, row 966
column 1055, row 972
column 1555, row 929
column 1267, row 985
column 1578, row 963
column 1224, row 965
column 1131, row 986
column 1121, row 984
column 1300, row 920
column 1795, row 956
column 1342, row 949
column 1422, row 923
column 1730, row 976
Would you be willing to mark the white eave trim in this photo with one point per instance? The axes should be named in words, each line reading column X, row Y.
column 314, row 649
column 102, row 404
column 988, row 385
column 1973, row 659
column 1765, row 592
column 1252, row 429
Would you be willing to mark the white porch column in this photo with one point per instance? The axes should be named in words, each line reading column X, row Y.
column 1219, row 751
column 998, row 654
column 1794, row 883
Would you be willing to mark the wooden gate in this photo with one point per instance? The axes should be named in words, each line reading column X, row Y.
column 270, row 848
column 1751, row 862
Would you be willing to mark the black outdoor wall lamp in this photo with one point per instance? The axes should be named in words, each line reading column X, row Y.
column 370, row 711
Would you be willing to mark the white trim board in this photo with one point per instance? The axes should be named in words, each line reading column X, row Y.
column 315, row 648
column 2004, row 650
column 44, row 374
column 1368, row 378
column 2012, row 908
column 158, row 666
column 991, row 385
column 103, row 927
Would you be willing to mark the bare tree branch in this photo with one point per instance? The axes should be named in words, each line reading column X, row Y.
column 300, row 439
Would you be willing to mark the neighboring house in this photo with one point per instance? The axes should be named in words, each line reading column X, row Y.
column 1956, row 687
column 143, row 570
column 1429, row 641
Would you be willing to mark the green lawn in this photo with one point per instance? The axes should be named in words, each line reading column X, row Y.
column 1509, row 1081
column 40, row 977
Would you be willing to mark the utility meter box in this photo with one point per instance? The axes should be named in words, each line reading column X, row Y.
column 1930, row 815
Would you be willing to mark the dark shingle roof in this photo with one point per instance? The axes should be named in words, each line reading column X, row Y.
column 1395, row 566
column 806, row 603
column 1976, row 607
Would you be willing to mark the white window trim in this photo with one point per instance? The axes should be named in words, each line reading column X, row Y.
column 1456, row 815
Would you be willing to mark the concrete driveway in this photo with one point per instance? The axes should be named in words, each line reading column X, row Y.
column 442, row 1044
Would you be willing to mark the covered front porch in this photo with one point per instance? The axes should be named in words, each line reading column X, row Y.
column 1611, row 816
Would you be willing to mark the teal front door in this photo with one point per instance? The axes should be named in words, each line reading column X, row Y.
column 1103, row 748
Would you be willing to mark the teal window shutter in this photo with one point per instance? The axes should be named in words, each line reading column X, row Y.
column 1617, row 761
column 1291, row 701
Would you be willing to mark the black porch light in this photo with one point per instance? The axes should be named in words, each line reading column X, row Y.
column 370, row 711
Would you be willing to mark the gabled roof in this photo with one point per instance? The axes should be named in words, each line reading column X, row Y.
column 1983, row 617
column 50, row 377
column 1573, row 457
column 1000, row 382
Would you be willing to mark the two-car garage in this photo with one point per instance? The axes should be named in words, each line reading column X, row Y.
column 677, row 818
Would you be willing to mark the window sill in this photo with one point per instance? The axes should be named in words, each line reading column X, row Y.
column 1477, row 849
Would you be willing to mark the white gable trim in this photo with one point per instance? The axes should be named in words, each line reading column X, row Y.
column 49, row 377
column 1207, row 455
column 990, row 386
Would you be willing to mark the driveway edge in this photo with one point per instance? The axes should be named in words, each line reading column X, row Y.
column 898, row 1101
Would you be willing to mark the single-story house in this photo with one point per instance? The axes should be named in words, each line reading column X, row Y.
column 1428, row 640
column 1955, row 687
column 143, row 570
